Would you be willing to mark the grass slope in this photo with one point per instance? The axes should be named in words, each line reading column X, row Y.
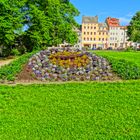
column 70, row 111
column 129, row 56
column 125, row 64
column 10, row 71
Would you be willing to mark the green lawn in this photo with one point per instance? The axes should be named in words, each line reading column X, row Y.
column 129, row 56
column 72, row 111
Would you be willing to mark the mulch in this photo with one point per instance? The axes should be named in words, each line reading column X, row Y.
column 25, row 74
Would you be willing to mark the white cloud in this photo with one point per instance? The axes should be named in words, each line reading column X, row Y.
column 124, row 21
column 130, row 15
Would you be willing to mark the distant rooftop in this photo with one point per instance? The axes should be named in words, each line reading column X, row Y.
column 102, row 25
column 114, row 22
column 88, row 19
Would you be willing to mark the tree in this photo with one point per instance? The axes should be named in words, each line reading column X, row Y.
column 50, row 22
column 10, row 23
column 37, row 23
column 134, row 28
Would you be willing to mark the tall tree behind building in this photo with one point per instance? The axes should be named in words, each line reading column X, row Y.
column 134, row 28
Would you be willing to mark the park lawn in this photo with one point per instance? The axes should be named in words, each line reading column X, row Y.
column 71, row 111
column 129, row 56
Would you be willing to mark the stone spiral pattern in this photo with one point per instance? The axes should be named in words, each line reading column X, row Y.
column 97, row 69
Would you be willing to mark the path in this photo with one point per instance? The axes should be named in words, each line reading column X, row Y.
column 5, row 62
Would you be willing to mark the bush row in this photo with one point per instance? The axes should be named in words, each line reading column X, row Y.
column 10, row 71
column 125, row 69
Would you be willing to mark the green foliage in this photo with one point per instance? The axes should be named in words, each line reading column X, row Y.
column 37, row 23
column 9, row 72
column 129, row 49
column 134, row 28
column 125, row 69
column 83, row 111
column 10, row 22
column 15, row 52
column 125, row 64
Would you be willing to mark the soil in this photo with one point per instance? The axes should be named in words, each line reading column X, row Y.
column 25, row 75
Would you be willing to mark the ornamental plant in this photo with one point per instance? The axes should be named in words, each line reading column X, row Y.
column 69, row 59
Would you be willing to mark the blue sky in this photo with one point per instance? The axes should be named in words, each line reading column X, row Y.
column 122, row 9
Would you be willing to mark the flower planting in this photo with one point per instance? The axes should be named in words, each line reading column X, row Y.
column 69, row 64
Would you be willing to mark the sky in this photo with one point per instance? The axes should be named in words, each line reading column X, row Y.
column 122, row 9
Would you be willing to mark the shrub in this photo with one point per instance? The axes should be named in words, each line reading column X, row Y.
column 5, row 51
column 129, row 49
column 125, row 69
column 15, row 52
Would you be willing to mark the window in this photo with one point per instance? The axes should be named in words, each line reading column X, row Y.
column 99, row 39
column 94, row 27
column 84, row 33
column 91, row 33
column 84, row 38
column 103, row 33
column 84, row 27
column 99, row 33
column 91, row 27
column 88, row 27
column 87, row 33
column 102, row 39
column 94, row 39
column 91, row 39
column 87, row 39
column 94, row 33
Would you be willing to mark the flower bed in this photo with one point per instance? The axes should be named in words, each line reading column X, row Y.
column 69, row 64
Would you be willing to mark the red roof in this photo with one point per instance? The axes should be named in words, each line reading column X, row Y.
column 113, row 22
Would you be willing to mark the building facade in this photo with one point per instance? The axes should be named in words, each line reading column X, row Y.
column 117, row 34
column 94, row 34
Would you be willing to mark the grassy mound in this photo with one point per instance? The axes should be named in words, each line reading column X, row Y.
column 125, row 64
